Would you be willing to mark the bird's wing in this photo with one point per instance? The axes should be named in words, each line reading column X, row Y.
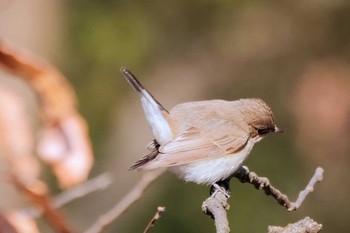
column 225, row 134
column 218, row 138
column 156, row 115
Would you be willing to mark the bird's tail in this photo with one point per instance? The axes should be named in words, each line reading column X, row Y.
column 157, row 116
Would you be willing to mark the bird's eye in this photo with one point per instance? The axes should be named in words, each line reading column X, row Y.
column 263, row 131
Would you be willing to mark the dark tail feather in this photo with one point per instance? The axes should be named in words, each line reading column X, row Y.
column 154, row 146
column 145, row 159
column 132, row 80
column 137, row 86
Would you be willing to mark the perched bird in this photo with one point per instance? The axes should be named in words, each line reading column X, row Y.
column 205, row 141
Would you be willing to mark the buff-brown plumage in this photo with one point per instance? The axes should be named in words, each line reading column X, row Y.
column 197, row 139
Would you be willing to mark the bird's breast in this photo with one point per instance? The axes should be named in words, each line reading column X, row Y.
column 210, row 171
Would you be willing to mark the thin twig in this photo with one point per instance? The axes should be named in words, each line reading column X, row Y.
column 263, row 183
column 135, row 193
column 99, row 182
column 317, row 177
column 160, row 210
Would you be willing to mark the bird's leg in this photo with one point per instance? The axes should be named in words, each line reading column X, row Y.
column 221, row 186
column 244, row 175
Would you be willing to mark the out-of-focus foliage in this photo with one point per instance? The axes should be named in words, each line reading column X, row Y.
column 64, row 143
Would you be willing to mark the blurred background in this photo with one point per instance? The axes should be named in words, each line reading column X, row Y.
column 293, row 54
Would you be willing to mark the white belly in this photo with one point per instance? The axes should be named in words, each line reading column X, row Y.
column 211, row 171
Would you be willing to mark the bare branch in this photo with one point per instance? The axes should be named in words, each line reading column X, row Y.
column 106, row 219
column 216, row 206
column 317, row 177
column 97, row 183
column 153, row 221
column 306, row 225
column 244, row 176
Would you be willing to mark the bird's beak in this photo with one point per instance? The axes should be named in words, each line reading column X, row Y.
column 278, row 130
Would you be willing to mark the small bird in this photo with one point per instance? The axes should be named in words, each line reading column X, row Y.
column 204, row 141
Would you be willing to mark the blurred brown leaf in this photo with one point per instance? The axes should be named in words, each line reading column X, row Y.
column 16, row 137
column 64, row 143
column 64, row 147
column 56, row 96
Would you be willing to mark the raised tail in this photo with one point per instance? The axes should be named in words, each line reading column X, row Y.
column 132, row 80
column 137, row 86
column 156, row 115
